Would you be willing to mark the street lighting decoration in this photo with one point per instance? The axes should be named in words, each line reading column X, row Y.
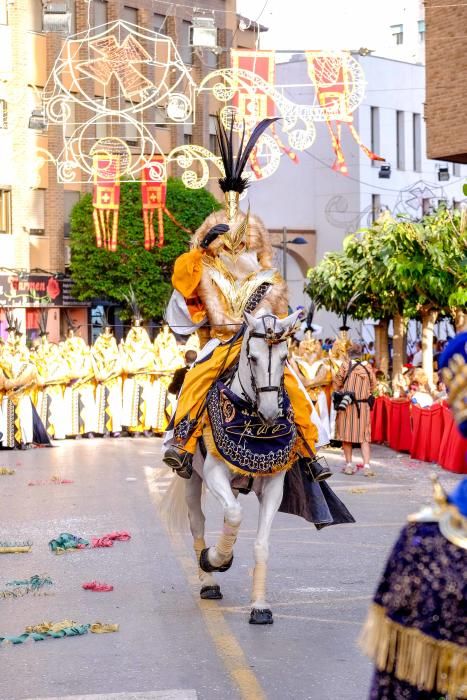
column 384, row 172
column 443, row 173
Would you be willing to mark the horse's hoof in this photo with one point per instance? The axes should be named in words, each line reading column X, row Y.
column 205, row 564
column 210, row 593
column 261, row 617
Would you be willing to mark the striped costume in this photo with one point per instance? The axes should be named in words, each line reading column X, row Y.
column 354, row 424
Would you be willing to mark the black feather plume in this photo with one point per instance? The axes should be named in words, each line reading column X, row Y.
column 233, row 181
column 309, row 317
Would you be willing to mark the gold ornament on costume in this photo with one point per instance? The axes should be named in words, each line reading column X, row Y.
column 236, row 293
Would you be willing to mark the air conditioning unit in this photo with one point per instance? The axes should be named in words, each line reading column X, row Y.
column 56, row 17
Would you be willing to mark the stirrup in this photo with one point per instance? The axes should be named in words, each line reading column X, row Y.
column 180, row 462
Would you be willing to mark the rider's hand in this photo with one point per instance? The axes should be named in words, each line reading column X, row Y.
column 212, row 234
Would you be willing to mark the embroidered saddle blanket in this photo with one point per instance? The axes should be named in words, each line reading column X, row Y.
column 237, row 436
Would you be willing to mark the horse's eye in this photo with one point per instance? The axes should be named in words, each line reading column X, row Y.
column 253, row 359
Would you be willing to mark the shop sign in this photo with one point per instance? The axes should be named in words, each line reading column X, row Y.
column 30, row 290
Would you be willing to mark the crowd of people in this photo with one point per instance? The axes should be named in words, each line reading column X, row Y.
column 72, row 389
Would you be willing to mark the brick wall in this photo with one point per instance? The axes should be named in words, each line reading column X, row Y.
column 446, row 68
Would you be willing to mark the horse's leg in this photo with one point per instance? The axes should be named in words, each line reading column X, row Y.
column 217, row 477
column 270, row 497
column 209, row 587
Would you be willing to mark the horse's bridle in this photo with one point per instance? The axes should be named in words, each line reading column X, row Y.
column 271, row 338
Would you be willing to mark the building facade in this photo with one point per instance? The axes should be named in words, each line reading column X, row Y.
column 35, row 211
column 446, row 67
column 308, row 196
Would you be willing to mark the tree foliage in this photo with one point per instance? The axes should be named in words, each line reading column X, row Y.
column 101, row 274
column 397, row 267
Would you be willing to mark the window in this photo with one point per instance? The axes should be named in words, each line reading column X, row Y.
column 400, row 140
column 3, row 12
column 70, row 125
column 100, row 12
column 130, row 15
column 71, row 198
column 160, row 23
column 3, row 114
column 34, row 16
column 131, row 130
column 211, row 59
column 456, row 169
column 375, row 205
column 213, row 145
column 374, row 127
column 36, row 215
column 5, row 211
column 397, row 31
column 101, row 122
column 417, row 142
column 187, row 139
column 161, row 117
column 421, row 30
column 186, row 50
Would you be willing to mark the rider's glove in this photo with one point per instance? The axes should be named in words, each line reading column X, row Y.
column 212, row 234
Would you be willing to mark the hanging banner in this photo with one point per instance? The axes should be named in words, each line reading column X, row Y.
column 154, row 194
column 106, row 199
column 332, row 80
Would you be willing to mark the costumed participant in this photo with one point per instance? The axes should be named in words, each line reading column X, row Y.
column 227, row 273
column 52, row 376
column 138, row 361
column 80, row 400
column 416, row 628
column 354, row 382
column 21, row 425
column 167, row 361
column 107, row 365
column 316, row 377
column 336, row 356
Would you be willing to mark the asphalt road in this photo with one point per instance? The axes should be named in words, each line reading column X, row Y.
column 320, row 583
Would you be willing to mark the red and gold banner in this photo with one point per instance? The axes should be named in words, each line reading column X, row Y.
column 252, row 100
column 154, row 194
column 331, row 78
column 106, row 199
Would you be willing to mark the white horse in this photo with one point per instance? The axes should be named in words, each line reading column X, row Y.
column 258, row 378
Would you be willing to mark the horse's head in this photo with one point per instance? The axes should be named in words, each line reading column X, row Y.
column 266, row 352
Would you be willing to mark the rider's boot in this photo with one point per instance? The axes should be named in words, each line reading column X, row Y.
column 180, row 461
column 315, row 469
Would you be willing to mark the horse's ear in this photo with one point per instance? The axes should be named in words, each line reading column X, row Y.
column 289, row 321
column 250, row 320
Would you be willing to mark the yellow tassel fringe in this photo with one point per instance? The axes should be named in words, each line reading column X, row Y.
column 211, row 447
column 414, row 657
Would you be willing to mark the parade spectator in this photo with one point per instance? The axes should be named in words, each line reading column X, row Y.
column 355, row 382
column 179, row 374
column 382, row 385
column 419, row 392
column 417, row 358
column 440, row 393
column 401, row 381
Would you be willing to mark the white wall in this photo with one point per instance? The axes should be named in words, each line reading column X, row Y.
column 311, row 195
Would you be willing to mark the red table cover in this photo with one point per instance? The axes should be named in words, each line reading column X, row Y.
column 400, row 436
column 453, row 447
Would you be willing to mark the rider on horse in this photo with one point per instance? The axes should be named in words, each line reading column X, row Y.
column 227, row 273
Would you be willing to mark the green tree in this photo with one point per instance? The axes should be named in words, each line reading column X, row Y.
column 99, row 273
column 402, row 270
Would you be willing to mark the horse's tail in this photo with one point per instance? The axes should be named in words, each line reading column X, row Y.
column 172, row 504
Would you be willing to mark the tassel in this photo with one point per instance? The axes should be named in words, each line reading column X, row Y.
column 414, row 657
